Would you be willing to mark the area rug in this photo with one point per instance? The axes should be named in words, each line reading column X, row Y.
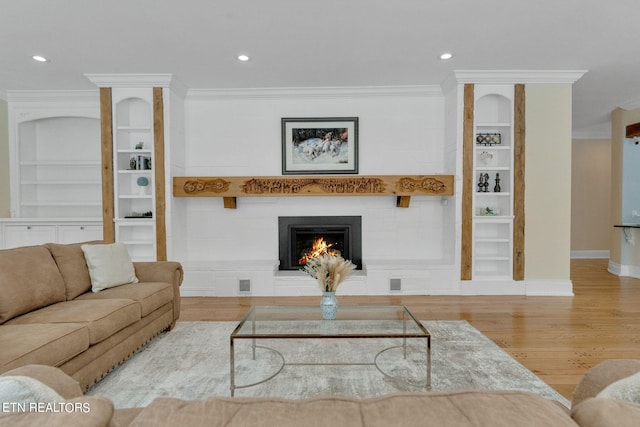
column 192, row 362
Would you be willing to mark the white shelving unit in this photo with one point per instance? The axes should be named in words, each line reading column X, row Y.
column 54, row 147
column 134, row 197
column 58, row 168
column 492, row 204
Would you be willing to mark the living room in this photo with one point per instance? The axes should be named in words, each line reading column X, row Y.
column 409, row 124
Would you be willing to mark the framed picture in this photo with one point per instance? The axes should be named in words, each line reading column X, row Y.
column 319, row 145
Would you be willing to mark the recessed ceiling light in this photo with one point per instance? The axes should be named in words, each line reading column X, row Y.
column 446, row 56
column 243, row 58
column 39, row 58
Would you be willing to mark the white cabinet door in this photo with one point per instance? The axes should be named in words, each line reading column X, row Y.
column 79, row 233
column 28, row 235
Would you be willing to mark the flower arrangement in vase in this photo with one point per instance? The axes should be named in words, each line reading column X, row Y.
column 329, row 271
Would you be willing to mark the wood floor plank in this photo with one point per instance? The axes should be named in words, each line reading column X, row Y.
column 558, row 338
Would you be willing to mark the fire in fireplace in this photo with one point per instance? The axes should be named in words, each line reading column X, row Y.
column 303, row 237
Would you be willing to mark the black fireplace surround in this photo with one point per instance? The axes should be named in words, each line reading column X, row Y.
column 297, row 234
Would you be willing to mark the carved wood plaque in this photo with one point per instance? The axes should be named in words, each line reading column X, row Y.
column 257, row 186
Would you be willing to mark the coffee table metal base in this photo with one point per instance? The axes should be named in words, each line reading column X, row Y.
column 352, row 323
column 375, row 363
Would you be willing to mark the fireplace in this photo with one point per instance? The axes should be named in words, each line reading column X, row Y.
column 298, row 234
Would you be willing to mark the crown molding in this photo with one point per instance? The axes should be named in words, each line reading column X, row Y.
column 130, row 80
column 90, row 96
column 316, row 92
column 518, row 76
column 631, row 105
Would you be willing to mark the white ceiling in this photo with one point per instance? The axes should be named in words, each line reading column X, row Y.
column 327, row 43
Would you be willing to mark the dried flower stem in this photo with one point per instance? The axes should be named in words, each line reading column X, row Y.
column 329, row 271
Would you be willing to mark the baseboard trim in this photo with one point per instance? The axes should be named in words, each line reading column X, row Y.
column 590, row 254
column 551, row 288
column 624, row 270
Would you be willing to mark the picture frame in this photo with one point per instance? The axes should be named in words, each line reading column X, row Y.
column 326, row 145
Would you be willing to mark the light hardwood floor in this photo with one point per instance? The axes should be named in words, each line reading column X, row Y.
column 558, row 338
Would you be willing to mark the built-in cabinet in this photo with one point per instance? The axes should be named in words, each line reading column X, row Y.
column 134, row 166
column 133, row 112
column 55, row 183
column 26, row 232
column 492, row 208
column 493, row 174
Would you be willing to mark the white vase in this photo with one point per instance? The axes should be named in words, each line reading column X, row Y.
column 329, row 305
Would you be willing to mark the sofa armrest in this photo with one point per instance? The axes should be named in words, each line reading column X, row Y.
column 53, row 377
column 159, row 271
column 93, row 411
column 163, row 271
column 596, row 412
column 601, row 375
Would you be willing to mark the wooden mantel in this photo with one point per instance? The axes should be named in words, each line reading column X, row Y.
column 230, row 187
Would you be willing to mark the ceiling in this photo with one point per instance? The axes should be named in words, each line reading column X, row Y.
column 327, row 43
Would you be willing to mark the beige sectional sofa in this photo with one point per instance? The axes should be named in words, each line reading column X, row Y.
column 50, row 316
column 450, row 409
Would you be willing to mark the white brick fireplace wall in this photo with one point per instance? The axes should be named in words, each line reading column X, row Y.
column 238, row 133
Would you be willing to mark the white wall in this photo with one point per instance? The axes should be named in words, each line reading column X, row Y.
column 5, row 210
column 233, row 133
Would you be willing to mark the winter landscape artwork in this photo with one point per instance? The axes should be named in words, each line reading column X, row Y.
column 319, row 145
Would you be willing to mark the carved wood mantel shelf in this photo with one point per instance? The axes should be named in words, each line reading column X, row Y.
column 230, row 187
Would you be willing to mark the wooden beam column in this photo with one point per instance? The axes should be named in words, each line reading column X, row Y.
column 106, row 144
column 158, row 166
column 467, row 183
column 519, row 134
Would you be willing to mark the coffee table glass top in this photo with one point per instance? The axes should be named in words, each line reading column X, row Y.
column 381, row 321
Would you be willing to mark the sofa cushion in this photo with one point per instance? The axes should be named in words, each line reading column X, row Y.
column 51, row 344
column 73, row 267
column 150, row 295
column 103, row 318
column 109, row 265
column 447, row 409
column 598, row 412
column 29, row 279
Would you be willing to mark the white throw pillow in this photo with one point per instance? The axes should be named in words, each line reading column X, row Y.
column 109, row 266
column 24, row 390
column 627, row 389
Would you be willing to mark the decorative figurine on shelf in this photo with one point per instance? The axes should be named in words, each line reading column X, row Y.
column 140, row 145
column 142, row 182
column 496, row 188
column 489, row 139
column 481, row 183
column 485, row 158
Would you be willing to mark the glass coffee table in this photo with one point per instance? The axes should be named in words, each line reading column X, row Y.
column 392, row 325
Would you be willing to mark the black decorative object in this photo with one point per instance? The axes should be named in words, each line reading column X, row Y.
column 483, row 183
column 488, row 139
column 496, row 188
